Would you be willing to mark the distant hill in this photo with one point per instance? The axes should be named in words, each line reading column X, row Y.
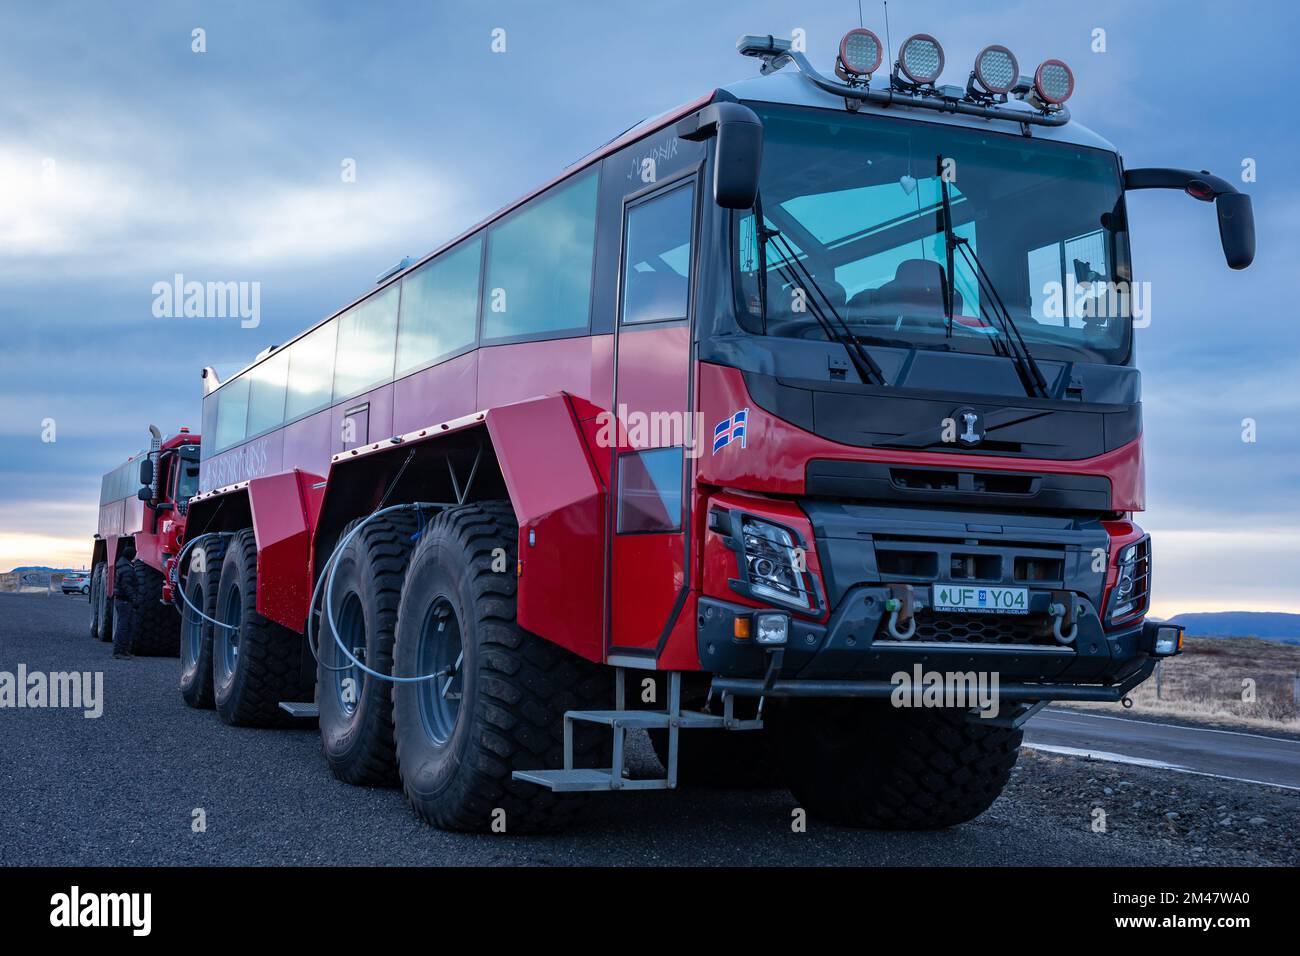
column 41, row 568
column 1271, row 625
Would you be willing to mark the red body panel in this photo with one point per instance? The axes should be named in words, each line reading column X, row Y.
column 777, row 452
column 283, row 512
column 559, row 501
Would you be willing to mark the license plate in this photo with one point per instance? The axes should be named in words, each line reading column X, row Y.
column 959, row 597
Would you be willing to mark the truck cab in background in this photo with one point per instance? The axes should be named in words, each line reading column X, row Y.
column 144, row 500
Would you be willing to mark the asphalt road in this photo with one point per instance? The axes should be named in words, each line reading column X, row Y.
column 124, row 788
column 1198, row 750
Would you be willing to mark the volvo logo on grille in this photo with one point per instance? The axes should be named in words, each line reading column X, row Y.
column 971, row 424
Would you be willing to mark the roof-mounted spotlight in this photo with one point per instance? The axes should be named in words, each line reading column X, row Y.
column 860, row 54
column 920, row 59
column 996, row 69
column 1053, row 82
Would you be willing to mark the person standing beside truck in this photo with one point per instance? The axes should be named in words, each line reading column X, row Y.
column 125, row 590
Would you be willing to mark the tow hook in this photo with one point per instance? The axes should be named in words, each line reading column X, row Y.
column 899, row 605
column 1060, row 610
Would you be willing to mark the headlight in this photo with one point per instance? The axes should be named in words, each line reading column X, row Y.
column 773, row 566
column 1132, row 582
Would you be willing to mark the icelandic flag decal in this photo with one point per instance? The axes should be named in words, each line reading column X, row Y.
column 730, row 429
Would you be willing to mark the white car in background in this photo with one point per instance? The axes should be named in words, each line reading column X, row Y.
column 76, row 582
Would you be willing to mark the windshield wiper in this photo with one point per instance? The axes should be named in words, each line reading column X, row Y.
column 792, row 270
column 1014, row 346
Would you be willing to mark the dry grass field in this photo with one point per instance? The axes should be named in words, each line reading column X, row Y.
column 1241, row 682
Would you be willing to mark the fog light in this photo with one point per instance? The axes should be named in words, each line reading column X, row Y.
column 771, row 629
column 920, row 58
column 1169, row 640
column 996, row 68
column 860, row 52
column 1053, row 82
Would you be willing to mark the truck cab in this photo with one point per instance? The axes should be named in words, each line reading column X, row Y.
column 143, row 506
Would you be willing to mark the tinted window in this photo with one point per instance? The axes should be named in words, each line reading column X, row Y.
column 367, row 338
column 439, row 307
column 657, row 257
column 266, row 390
column 232, row 412
column 539, row 264
column 1037, row 217
column 210, row 403
column 650, row 491
column 311, row 372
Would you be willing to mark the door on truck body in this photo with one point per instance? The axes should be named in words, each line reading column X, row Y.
column 649, row 514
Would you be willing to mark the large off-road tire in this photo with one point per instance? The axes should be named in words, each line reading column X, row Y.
column 867, row 764
column 256, row 666
column 504, row 707
column 157, row 625
column 356, row 710
column 96, row 584
column 201, row 584
column 102, row 624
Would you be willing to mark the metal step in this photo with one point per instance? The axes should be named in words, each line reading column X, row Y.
column 578, row 780
column 620, row 720
column 645, row 719
column 297, row 708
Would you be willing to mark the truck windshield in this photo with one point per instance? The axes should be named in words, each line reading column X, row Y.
column 858, row 198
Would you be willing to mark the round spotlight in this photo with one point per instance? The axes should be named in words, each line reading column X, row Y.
column 996, row 68
column 921, row 58
column 1053, row 82
column 860, row 52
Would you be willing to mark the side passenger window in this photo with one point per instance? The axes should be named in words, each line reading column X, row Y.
column 657, row 257
column 539, row 264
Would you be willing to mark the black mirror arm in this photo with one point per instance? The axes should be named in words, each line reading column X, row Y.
column 1236, row 217
column 704, row 123
column 1204, row 185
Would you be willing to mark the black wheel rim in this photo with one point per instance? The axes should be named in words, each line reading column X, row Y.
column 192, row 640
column 230, row 613
column 352, row 632
column 441, row 653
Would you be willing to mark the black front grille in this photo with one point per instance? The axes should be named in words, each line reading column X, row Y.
column 979, row 629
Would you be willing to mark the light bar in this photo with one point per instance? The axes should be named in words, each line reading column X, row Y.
column 921, row 58
column 996, row 69
column 860, row 52
column 1053, row 82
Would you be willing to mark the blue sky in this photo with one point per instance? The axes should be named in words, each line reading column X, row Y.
column 126, row 158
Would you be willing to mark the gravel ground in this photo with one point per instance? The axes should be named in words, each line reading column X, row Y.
column 124, row 788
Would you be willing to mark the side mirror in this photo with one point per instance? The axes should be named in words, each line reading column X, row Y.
column 145, row 493
column 1235, row 213
column 146, row 471
column 738, row 154
column 1236, row 229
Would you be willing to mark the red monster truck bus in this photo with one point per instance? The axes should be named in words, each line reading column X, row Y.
column 144, row 499
column 766, row 403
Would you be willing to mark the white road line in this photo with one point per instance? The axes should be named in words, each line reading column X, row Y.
column 1157, row 723
column 1146, row 762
